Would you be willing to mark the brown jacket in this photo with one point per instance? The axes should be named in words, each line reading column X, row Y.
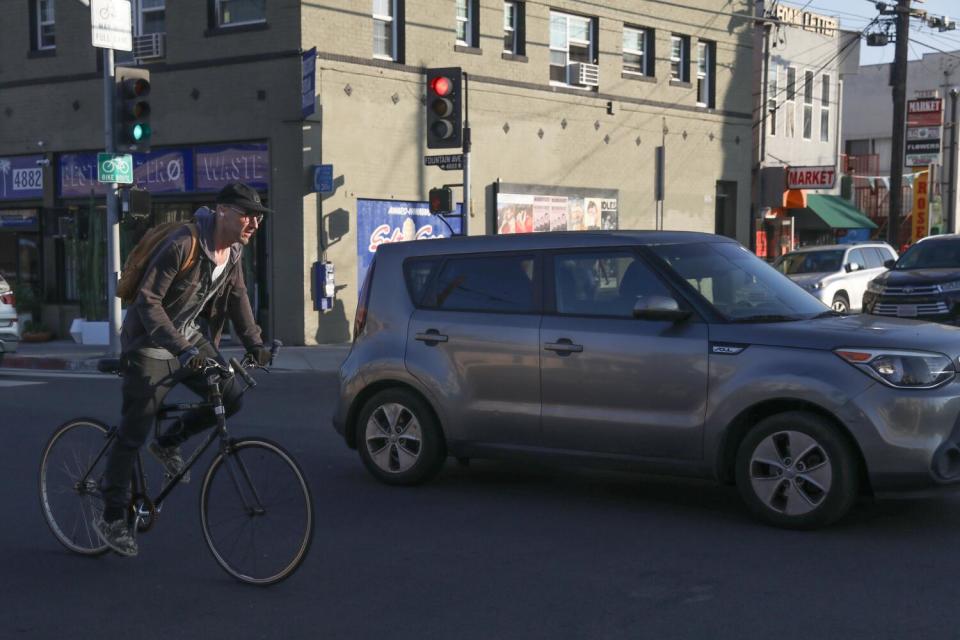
column 167, row 302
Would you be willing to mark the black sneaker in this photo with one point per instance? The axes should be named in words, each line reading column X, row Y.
column 170, row 458
column 116, row 535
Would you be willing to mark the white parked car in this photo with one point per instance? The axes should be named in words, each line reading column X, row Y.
column 9, row 327
column 837, row 274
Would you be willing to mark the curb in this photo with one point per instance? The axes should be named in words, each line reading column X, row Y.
column 45, row 363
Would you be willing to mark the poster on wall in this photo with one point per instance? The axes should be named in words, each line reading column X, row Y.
column 536, row 208
column 384, row 221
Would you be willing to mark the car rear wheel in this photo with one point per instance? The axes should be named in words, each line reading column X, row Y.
column 794, row 470
column 840, row 303
column 399, row 440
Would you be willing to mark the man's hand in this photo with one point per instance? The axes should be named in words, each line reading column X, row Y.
column 191, row 359
column 261, row 355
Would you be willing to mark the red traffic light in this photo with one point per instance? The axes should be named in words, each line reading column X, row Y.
column 441, row 85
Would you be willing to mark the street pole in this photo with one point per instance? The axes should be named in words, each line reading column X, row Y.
column 952, row 201
column 464, row 221
column 899, row 81
column 113, row 217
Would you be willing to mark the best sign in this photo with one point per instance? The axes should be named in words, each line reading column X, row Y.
column 811, row 177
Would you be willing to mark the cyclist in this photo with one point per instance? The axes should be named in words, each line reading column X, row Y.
column 175, row 323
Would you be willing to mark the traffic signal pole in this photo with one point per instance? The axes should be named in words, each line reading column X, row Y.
column 465, row 220
column 899, row 82
column 113, row 216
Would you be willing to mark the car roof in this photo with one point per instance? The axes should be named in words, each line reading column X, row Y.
column 837, row 247
column 548, row 240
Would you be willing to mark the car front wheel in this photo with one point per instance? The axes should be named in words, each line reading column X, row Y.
column 794, row 470
column 840, row 303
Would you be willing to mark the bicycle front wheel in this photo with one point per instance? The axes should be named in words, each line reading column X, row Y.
column 70, row 470
column 256, row 512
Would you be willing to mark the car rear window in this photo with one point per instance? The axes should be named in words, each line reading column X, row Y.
column 484, row 283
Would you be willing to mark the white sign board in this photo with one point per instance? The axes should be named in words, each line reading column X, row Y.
column 811, row 177
column 111, row 22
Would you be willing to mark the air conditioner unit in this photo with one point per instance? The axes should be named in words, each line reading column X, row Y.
column 585, row 74
column 149, row 46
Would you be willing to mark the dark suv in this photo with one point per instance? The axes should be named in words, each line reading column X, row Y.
column 924, row 283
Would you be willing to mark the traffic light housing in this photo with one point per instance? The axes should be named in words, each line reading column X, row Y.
column 444, row 108
column 131, row 126
column 441, row 200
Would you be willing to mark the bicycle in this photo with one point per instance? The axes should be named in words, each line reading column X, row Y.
column 251, row 484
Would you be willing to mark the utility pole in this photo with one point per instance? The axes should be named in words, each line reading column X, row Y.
column 113, row 209
column 952, row 199
column 899, row 81
column 465, row 213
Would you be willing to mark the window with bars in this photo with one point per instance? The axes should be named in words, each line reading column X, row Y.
column 706, row 72
column 825, row 108
column 680, row 58
column 44, row 25
column 808, row 105
column 572, row 40
column 384, row 29
column 232, row 13
column 773, row 90
column 638, row 55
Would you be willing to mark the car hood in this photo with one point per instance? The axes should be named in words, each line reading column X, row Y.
column 807, row 279
column 917, row 277
column 860, row 330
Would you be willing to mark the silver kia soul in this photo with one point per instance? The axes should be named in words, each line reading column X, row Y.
column 664, row 352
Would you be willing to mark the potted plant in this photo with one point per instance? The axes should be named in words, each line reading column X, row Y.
column 35, row 332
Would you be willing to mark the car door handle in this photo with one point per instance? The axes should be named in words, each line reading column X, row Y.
column 431, row 337
column 563, row 346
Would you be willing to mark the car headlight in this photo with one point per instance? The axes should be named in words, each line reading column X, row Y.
column 950, row 286
column 815, row 286
column 874, row 287
column 902, row 369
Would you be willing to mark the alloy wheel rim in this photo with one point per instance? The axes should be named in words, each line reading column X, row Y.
column 791, row 473
column 839, row 305
column 393, row 437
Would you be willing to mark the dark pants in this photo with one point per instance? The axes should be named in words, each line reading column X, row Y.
column 146, row 383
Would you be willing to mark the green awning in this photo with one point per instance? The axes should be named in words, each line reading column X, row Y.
column 830, row 212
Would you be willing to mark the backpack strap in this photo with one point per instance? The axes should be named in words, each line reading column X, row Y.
column 194, row 250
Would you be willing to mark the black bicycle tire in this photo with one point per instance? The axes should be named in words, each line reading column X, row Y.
column 297, row 561
column 48, row 517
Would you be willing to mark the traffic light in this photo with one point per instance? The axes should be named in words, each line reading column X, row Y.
column 131, row 126
column 444, row 111
column 441, row 200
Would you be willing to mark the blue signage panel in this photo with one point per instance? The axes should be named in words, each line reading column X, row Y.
column 217, row 165
column 308, row 86
column 21, row 177
column 323, row 178
column 160, row 171
column 383, row 221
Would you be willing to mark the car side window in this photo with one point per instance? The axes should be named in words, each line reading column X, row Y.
column 603, row 283
column 484, row 283
column 887, row 254
column 873, row 257
column 856, row 256
column 417, row 273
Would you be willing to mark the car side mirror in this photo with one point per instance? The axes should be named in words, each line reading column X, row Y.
column 659, row 308
column 889, row 264
column 852, row 266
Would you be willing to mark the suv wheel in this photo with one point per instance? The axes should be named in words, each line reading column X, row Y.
column 398, row 438
column 793, row 470
column 840, row 303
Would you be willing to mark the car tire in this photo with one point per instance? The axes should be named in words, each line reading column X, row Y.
column 794, row 470
column 399, row 439
column 840, row 303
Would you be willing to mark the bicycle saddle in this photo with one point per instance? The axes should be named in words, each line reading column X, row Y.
column 108, row 365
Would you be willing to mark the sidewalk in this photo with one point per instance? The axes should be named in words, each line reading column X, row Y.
column 67, row 355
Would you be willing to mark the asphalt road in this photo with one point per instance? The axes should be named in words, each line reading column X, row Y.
column 494, row 550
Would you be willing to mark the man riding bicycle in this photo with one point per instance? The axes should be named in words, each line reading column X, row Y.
column 175, row 324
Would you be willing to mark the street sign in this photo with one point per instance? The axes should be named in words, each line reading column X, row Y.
column 450, row 162
column 323, row 178
column 925, row 112
column 921, row 204
column 111, row 22
column 113, row 167
column 822, row 177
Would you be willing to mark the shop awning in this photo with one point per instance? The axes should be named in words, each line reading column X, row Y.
column 830, row 212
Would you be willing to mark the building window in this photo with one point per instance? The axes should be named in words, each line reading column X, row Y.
column 572, row 39
column 514, row 28
column 468, row 23
column 706, row 72
column 150, row 16
column 43, row 31
column 790, row 117
column 231, row 13
column 680, row 58
column 825, row 108
column 808, row 105
column 638, row 51
column 385, row 29
column 773, row 89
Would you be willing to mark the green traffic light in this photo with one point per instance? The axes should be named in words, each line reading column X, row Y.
column 137, row 133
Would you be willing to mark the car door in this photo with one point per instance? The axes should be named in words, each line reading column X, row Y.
column 855, row 282
column 474, row 341
column 612, row 383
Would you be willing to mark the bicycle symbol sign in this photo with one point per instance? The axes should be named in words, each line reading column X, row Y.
column 115, row 168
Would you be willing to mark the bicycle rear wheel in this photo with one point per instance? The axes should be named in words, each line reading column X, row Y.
column 256, row 512
column 70, row 471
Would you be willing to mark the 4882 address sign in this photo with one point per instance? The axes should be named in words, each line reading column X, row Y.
column 27, row 179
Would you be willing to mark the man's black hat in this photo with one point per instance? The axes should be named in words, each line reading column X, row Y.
column 242, row 196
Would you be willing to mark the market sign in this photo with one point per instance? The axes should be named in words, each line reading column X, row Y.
column 823, row 177
column 924, row 121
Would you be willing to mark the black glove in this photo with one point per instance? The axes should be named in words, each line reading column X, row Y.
column 261, row 355
column 191, row 359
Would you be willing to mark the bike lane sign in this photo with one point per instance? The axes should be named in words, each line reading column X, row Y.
column 113, row 167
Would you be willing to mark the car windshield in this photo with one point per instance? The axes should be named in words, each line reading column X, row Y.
column 739, row 285
column 810, row 262
column 936, row 254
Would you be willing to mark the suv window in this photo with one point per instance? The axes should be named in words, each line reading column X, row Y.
column 935, row 254
column 856, row 256
column 484, row 283
column 417, row 273
column 603, row 283
column 829, row 260
column 873, row 257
